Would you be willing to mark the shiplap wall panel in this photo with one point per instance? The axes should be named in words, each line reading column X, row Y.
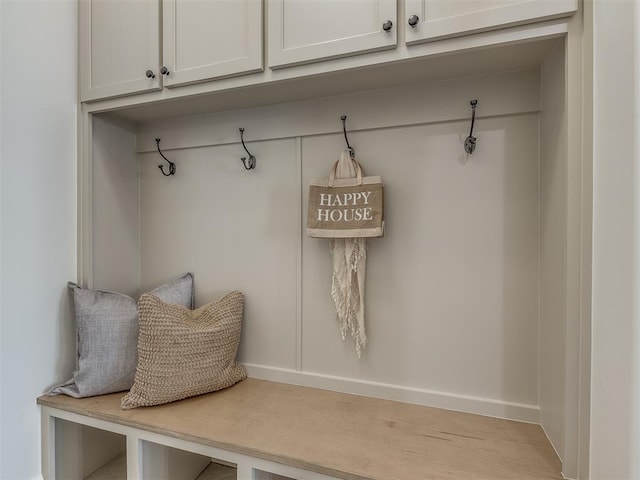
column 235, row 230
column 452, row 287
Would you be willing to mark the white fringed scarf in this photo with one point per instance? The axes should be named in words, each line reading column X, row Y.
column 349, row 269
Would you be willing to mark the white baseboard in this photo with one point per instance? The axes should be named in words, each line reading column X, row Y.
column 449, row 401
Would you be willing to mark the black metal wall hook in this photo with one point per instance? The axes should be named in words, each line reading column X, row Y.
column 251, row 164
column 470, row 141
column 172, row 166
column 344, row 130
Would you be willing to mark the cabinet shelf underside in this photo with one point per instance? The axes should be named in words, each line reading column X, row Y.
column 472, row 62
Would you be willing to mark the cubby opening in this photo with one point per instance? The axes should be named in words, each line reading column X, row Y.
column 87, row 453
column 164, row 462
column 261, row 475
column 218, row 471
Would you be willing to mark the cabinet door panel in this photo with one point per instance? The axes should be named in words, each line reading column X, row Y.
column 450, row 18
column 119, row 42
column 304, row 31
column 205, row 39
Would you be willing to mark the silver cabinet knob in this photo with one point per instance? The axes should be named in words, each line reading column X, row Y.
column 164, row 71
column 413, row 21
column 150, row 74
column 387, row 25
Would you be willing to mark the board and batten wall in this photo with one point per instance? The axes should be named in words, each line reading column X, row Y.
column 462, row 312
column 453, row 287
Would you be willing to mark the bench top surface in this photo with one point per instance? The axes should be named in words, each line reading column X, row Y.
column 340, row 435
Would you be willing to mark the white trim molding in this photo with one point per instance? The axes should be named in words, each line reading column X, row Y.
column 449, row 401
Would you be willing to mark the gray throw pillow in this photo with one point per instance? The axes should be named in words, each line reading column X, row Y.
column 107, row 329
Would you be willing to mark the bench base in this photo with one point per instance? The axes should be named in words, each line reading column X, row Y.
column 260, row 430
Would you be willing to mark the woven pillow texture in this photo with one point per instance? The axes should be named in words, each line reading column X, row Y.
column 107, row 335
column 182, row 352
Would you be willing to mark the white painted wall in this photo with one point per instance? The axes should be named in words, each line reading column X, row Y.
column 1, row 302
column 615, row 401
column 37, row 217
column 553, row 247
column 116, row 252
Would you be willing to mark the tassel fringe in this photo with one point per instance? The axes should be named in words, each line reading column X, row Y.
column 348, row 280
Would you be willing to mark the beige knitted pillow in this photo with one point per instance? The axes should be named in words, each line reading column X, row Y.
column 184, row 352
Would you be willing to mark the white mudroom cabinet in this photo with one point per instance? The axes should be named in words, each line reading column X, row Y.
column 435, row 19
column 477, row 296
column 302, row 32
column 132, row 47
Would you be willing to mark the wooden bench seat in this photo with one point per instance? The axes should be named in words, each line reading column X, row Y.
column 338, row 435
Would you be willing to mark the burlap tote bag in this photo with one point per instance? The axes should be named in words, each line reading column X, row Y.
column 345, row 207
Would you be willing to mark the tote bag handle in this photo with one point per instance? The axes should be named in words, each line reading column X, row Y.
column 334, row 169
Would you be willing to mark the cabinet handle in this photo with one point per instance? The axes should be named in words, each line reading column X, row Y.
column 413, row 21
column 150, row 74
column 387, row 25
column 164, row 71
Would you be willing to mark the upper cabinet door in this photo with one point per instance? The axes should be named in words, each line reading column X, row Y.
column 304, row 31
column 434, row 19
column 206, row 39
column 119, row 47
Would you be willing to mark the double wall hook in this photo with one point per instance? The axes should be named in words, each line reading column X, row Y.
column 251, row 164
column 172, row 166
column 470, row 141
column 344, row 130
